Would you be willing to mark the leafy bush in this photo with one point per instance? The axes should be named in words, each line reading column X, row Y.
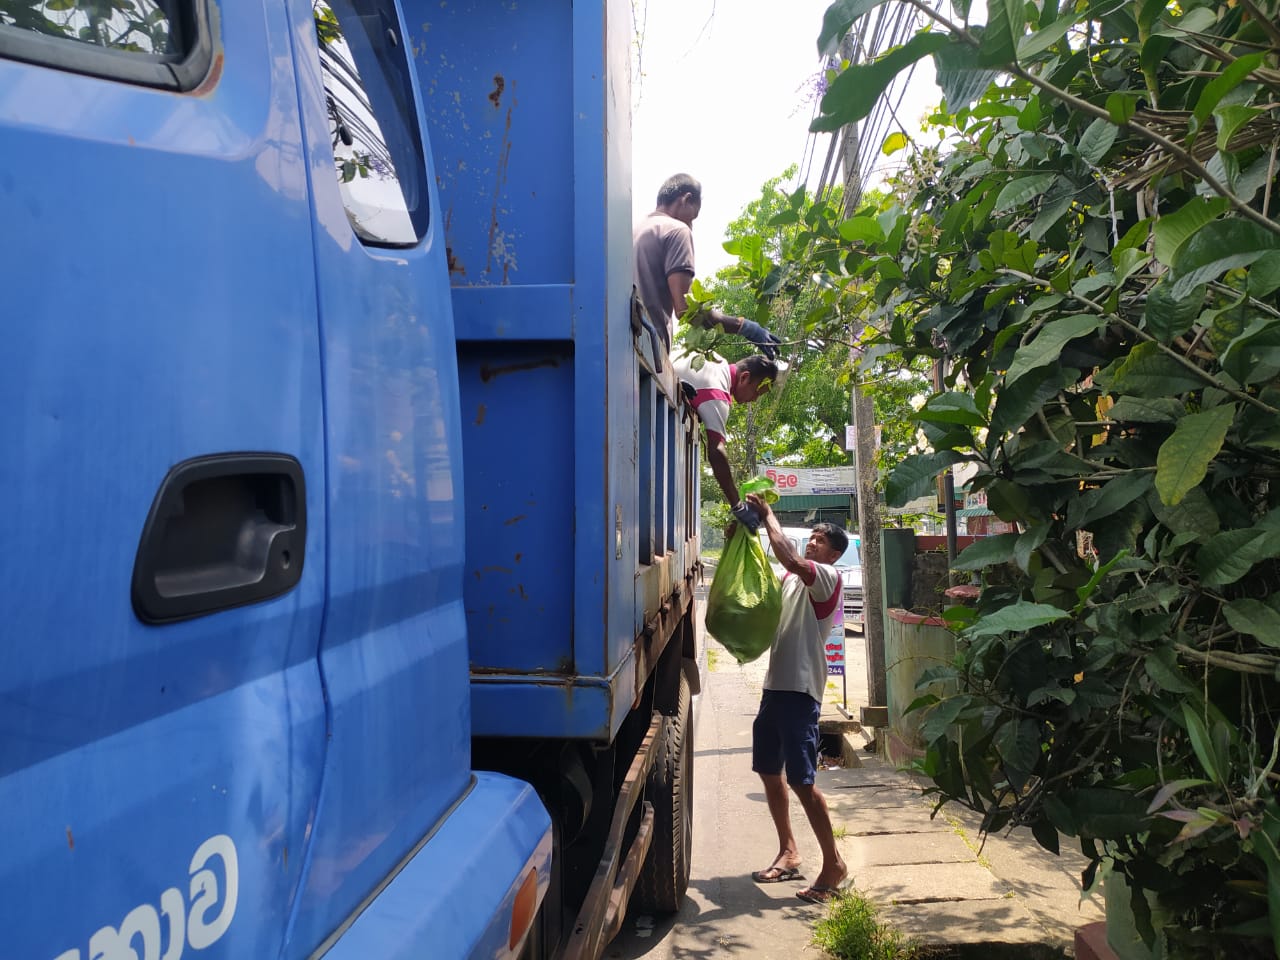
column 1091, row 255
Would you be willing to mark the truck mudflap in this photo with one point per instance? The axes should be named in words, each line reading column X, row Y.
column 487, row 867
column 603, row 911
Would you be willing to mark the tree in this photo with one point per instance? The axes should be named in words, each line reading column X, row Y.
column 804, row 423
column 1092, row 254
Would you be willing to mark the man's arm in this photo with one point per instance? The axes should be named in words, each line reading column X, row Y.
column 719, row 460
column 679, row 282
column 782, row 548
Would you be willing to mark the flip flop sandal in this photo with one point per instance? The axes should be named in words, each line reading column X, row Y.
column 817, row 894
column 776, row 875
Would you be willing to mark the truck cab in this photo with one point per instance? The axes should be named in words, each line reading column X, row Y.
column 234, row 687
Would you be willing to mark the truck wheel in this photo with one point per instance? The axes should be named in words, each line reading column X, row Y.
column 664, row 878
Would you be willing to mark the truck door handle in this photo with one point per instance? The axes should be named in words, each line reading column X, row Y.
column 223, row 531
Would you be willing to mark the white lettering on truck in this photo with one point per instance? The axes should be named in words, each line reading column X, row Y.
column 211, row 912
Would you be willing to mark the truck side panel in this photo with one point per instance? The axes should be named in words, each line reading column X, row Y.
column 539, row 241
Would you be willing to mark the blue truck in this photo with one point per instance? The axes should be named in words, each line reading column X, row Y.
column 350, row 516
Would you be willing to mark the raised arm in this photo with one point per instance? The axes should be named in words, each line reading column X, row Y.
column 782, row 547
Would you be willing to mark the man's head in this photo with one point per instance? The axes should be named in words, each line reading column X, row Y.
column 827, row 543
column 753, row 378
column 680, row 197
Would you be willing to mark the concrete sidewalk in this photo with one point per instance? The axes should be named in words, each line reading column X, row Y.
column 935, row 879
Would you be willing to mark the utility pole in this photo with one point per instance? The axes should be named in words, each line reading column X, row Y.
column 864, row 458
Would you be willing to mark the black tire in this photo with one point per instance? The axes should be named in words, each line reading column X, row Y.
column 664, row 878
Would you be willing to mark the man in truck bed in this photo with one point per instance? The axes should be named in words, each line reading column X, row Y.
column 663, row 265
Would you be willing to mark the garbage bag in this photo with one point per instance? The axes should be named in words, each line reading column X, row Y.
column 744, row 603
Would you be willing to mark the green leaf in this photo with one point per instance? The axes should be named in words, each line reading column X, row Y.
column 1096, row 140
column 1200, row 743
column 1104, row 814
column 1046, row 348
column 1254, row 356
column 1044, row 38
column 1230, row 118
column 894, row 142
column 1046, row 835
column 1220, row 246
column 986, row 551
column 999, row 43
column 1224, row 83
column 915, row 475
column 1140, row 410
column 840, row 16
column 962, row 78
column 1162, row 667
column 864, row 229
column 942, row 715
column 1114, row 495
column 1084, row 593
column 1166, row 316
column 1028, row 543
column 1017, row 618
column 1254, row 618
column 1229, row 555
column 1264, row 276
column 854, row 93
column 1018, row 743
column 1019, row 191
column 1175, row 229
column 1194, row 516
column 1149, row 372
column 1016, row 403
column 1195, row 21
column 1185, row 457
column 1122, row 106
column 951, row 408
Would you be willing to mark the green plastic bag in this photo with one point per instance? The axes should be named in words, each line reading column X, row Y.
column 744, row 603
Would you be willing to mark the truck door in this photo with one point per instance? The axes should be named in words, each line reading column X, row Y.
column 162, row 720
column 393, row 655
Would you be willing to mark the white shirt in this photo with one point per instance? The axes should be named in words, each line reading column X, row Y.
column 712, row 385
column 797, row 659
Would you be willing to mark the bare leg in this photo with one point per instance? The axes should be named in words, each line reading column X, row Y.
column 815, row 807
column 775, row 791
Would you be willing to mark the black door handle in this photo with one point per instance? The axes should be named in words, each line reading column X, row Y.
column 223, row 531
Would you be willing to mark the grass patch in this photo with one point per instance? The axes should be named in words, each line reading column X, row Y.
column 839, row 832
column 851, row 930
column 713, row 657
column 712, row 553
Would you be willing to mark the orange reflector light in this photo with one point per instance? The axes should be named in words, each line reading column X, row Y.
column 523, row 909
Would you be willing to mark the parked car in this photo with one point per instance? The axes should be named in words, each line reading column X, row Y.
column 849, row 565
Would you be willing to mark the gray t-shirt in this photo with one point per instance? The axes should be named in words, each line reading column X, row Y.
column 661, row 246
column 798, row 659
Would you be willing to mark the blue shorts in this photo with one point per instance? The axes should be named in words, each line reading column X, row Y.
column 785, row 734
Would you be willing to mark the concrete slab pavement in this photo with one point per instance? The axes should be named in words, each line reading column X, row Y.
column 936, row 880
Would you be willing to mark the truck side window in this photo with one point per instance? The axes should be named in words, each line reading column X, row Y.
column 373, row 122
column 160, row 43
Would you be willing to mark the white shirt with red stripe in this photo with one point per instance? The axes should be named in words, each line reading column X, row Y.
column 712, row 385
column 797, row 659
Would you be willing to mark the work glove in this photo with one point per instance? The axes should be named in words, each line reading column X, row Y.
column 761, row 337
column 746, row 515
